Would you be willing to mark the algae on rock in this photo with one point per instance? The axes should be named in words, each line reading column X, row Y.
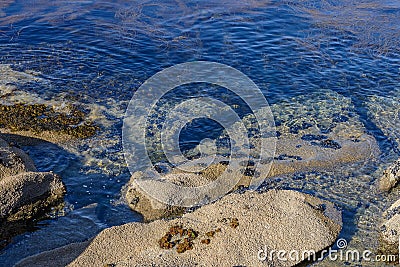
column 39, row 118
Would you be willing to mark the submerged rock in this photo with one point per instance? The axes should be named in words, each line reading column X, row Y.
column 307, row 157
column 390, row 177
column 298, row 149
column 58, row 257
column 50, row 120
column 239, row 229
column 384, row 112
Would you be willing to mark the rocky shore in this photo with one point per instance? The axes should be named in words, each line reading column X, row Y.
column 238, row 229
column 27, row 195
column 270, row 221
column 24, row 191
column 209, row 236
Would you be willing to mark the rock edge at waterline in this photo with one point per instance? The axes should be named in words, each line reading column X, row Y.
column 24, row 192
column 235, row 230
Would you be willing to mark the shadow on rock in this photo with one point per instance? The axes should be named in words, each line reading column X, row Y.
column 26, row 195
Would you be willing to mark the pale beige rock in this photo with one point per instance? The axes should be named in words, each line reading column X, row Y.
column 275, row 220
column 150, row 208
column 49, row 136
column 14, row 161
column 153, row 209
column 24, row 194
column 390, row 177
column 390, row 227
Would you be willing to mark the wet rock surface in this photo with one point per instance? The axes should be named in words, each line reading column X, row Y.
column 39, row 118
column 24, row 192
column 229, row 232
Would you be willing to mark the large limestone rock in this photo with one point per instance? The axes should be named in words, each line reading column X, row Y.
column 390, row 177
column 23, row 195
column 13, row 161
column 235, row 230
column 152, row 209
column 390, row 227
column 24, row 192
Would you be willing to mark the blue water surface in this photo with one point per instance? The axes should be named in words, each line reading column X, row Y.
column 96, row 50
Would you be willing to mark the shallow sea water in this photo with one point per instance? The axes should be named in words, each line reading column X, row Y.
column 96, row 54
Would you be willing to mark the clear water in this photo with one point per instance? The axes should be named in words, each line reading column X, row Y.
column 97, row 53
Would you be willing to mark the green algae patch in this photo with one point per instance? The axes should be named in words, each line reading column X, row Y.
column 38, row 118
